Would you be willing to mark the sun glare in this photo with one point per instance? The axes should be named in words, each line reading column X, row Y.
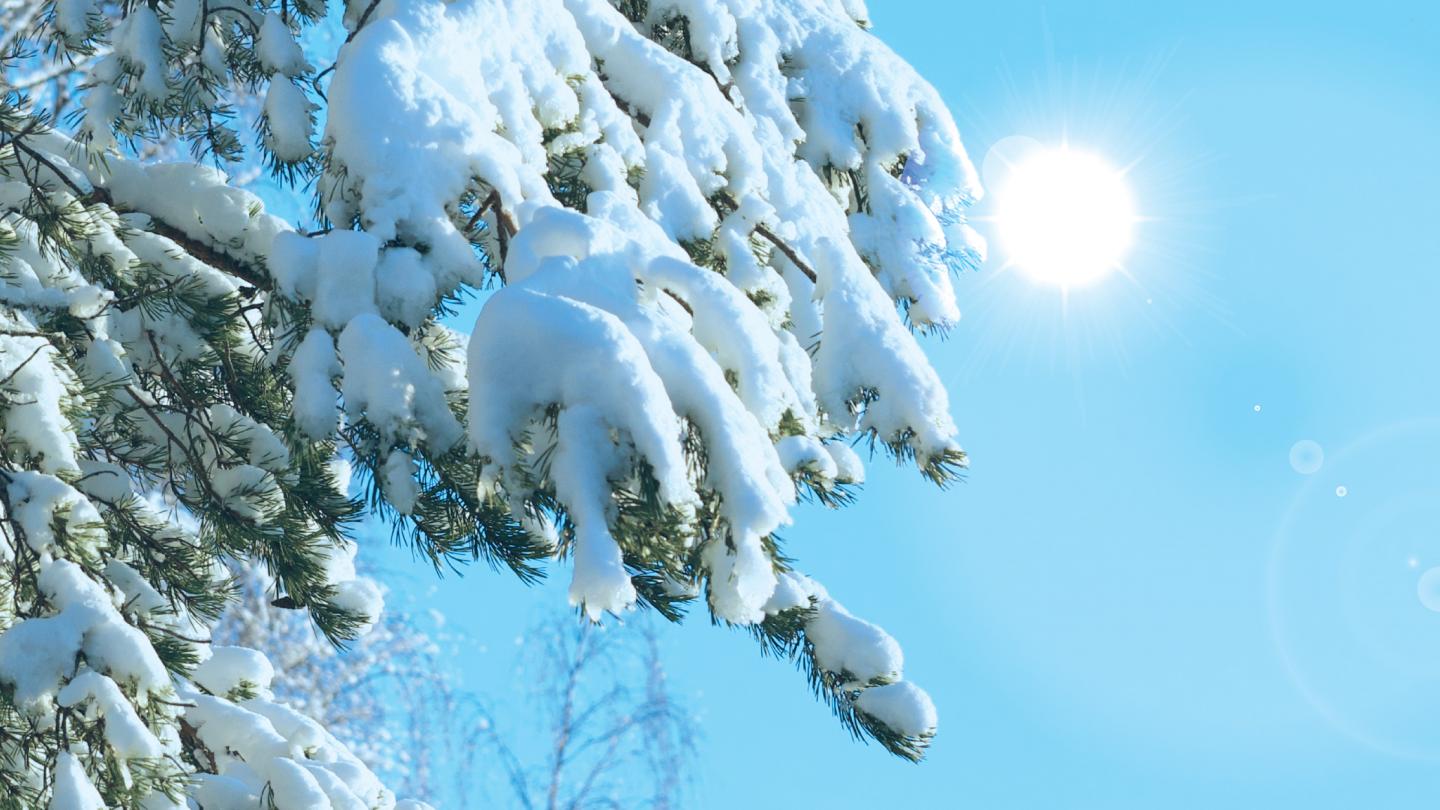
column 1064, row 217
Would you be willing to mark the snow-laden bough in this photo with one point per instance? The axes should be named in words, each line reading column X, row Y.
column 717, row 225
column 709, row 231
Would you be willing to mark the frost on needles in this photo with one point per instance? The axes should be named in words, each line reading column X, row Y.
column 709, row 231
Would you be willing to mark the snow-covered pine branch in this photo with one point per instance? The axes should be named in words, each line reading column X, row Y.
column 389, row 697
column 131, row 369
column 715, row 226
column 712, row 221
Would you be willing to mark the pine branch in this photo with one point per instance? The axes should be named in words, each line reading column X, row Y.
column 215, row 258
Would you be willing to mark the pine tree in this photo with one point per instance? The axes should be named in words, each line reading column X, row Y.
column 708, row 231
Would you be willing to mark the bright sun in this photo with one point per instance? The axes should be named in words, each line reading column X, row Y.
column 1065, row 217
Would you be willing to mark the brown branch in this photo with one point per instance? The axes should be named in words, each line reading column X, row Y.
column 789, row 252
column 501, row 215
column 187, row 450
column 680, row 301
column 190, row 739
column 364, row 18
column 24, row 363
column 506, row 229
column 15, row 141
column 639, row 116
column 196, row 249
column 209, row 255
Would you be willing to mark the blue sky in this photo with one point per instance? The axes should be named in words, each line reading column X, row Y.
column 1135, row 601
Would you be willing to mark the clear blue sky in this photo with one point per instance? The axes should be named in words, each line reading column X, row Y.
column 1135, row 601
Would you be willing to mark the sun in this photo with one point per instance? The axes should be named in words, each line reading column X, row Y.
column 1064, row 216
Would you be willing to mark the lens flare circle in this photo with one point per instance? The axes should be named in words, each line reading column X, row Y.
column 1064, row 216
column 1428, row 589
column 1307, row 457
column 1354, row 591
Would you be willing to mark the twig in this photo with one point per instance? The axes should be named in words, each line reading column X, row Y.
column 789, row 252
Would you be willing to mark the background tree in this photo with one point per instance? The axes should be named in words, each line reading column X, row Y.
column 710, row 225
column 618, row 736
column 389, row 696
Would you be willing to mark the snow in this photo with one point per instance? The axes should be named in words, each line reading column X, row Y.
column 249, row 492
column 139, row 41
column 110, row 644
column 738, row 336
column 605, row 325
column 292, row 259
column 849, row 468
column 262, row 746
column 300, row 730
column 864, row 656
column 440, row 123
column 198, row 201
column 72, row 17
column 223, row 792
column 36, row 420
column 791, row 591
column 288, row 116
column 229, row 668
column 574, row 349
column 128, row 737
column 345, row 278
column 35, row 655
column 619, row 338
column 404, row 288
column 584, row 461
column 341, row 471
column 38, row 502
column 110, row 483
column 398, row 481
column 312, row 368
column 141, row 598
column 291, row 785
column 567, row 351
column 358, row 594
column 388, row 384
column 851, row 646
column 67, row 639
column 184, row 23
column 265, row 449
column 277, row 49
column 72, row 789
column 806, row 454
column 903, row 707
column 225, row 727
